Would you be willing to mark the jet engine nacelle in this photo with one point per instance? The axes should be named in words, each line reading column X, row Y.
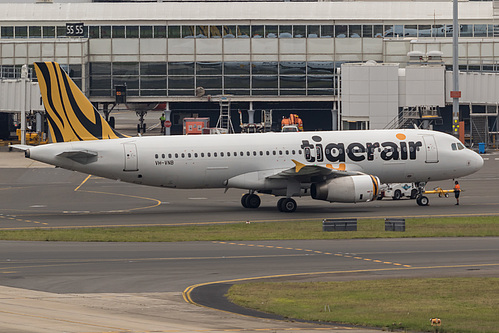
column 359, row 188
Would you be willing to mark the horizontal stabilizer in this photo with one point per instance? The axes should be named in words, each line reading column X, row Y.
column 21, row 147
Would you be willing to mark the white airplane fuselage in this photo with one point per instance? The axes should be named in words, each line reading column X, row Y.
column 245, row 160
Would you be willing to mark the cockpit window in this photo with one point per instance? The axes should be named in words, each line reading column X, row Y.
column 454, row 146
column 460, row 146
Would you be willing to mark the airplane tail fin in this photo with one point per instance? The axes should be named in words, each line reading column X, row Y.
column 71, row 116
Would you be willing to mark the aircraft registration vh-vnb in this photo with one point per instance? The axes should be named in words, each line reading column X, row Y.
column 337, row 166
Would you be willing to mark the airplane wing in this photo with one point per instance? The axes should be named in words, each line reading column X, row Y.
column 307, row 173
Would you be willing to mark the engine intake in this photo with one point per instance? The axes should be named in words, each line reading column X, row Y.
column 359, row 188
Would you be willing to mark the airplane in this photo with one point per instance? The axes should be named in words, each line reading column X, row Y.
column 333, row 166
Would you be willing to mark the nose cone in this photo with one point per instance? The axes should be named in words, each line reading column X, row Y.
column 478, row 162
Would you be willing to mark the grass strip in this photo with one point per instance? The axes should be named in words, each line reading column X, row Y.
column 367, row 228
column 464, row 305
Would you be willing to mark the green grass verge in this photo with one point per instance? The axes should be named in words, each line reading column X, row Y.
column 415, row 227
column 464, row 305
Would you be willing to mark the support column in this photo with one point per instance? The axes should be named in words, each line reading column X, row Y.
column 24, row 79
column 168, row 113
column 251, row 114
column 334, row 117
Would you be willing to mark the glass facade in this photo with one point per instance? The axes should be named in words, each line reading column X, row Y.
column 235, row 78
column 256, row 31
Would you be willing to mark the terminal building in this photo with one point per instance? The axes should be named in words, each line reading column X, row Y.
column 281, row 56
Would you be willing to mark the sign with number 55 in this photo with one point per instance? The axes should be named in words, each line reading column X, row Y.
column 74, row 29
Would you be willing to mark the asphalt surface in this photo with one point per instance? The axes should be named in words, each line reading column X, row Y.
column 38, row 196
column 132, row 287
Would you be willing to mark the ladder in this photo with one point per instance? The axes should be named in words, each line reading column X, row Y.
column 224, row 121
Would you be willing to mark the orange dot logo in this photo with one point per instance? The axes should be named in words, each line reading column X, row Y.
column 400, row 136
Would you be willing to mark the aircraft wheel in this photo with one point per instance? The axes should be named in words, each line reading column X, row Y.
column 279, row 204
column 243, row 200
column 397, row 195
column 288, row 205
column 143, row 128
column 253, row 201
column 423, row 201
column 414, row 194
column 138, row 128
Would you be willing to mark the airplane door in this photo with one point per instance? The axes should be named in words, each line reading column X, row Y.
column 431, row 149
column 131, row 158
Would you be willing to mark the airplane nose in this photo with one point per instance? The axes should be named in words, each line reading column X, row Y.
column 478, row 162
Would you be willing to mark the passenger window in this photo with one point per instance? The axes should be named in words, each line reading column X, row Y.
column 254, row 153
column 196, row 155
column 189, row 155
column 202, row 154
column 222, row 154
column 280, row 152
column 267, row 152
column 156, row 156
column 170, row 155
column 241, row 153
column 293, row 152
column 176, row 155
column 228, row 154
column 248, row 153
column 274, row 152
column 287, row 152
column 214, row 154
column 162, row 155
column 183, row 155
column 209, row 154
column 261, row 153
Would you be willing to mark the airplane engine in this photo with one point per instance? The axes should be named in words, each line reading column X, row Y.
column 359, row 188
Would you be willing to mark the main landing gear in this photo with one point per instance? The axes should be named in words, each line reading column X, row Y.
column 286, row 205
column 252, row 200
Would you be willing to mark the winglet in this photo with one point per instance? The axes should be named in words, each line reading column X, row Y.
column 298, row 165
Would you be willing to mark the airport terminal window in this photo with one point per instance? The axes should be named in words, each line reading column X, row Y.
column 341, row 31
column 234, row 68
column 285, row 31
column 466, row 30
column 7, row 32
column 35, row 32
column 100, row 68
column 367, row 31
column 264, row 82
column 181, row 68
column 132, row 31
column 424, row 30
column 271, row 31
column 355, row 31
column 152, row 68
column 243, row 31
column 411, row 30
column 320, row 68
column 119, row 31
column 267, row 67
column 320, row 82
column 209, row 82
column 188, row 31
column 48, row 32
column 257, row 31
column 125, row 68
column 313, row 31
column 293, row 82
column 159, row 31
column 152, row 82
column 132, row 82
column 327, row 31
column 299, row 31
column 146, row 31
column 181, row 82
column 215, row 31
column 292, row 67
column 105, row 31
column 174, row 31
column 94, row 32
column 237, row 82
column 229, row 31
column 21, row 32
column 208, row 68
column 480, row 30
column 202, row 31
column 61, row 31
